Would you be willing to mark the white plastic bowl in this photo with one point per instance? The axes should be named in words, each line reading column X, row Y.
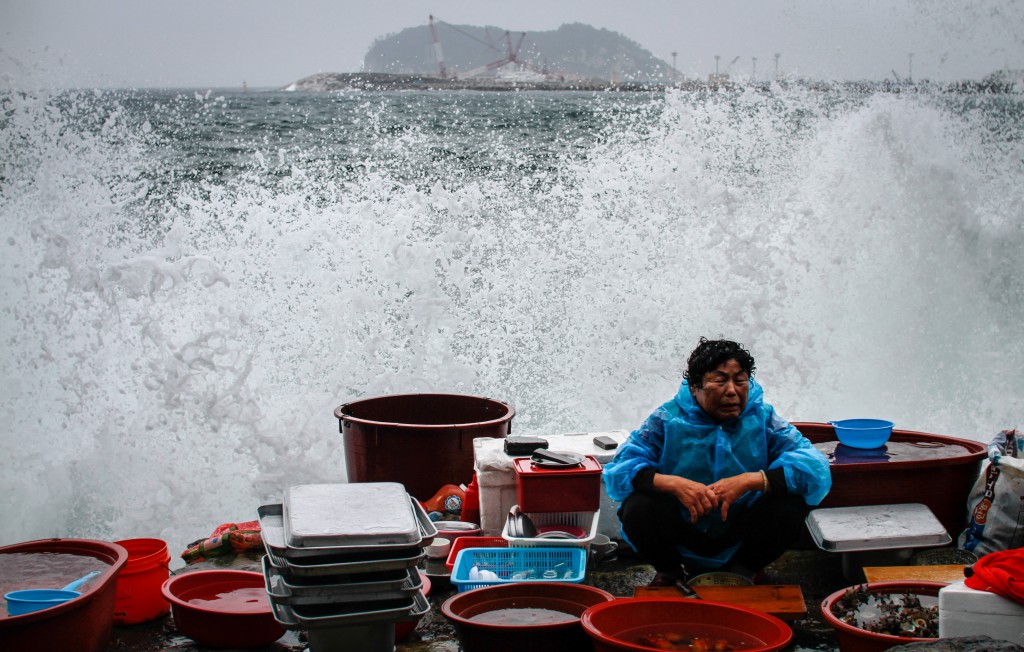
column 439, row 548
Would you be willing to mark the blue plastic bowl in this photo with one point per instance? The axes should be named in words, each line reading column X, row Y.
column 863, row 433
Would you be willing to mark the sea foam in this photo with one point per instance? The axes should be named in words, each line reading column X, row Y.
column 181, row 316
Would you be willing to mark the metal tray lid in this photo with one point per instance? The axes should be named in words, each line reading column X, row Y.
column 350, row 614
column 402, row 580
column 876, row 527
column 271, row 518
column 318, row 567
column 282, row 591
column 362, row 513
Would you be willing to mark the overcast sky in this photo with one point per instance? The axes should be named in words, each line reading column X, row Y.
column 270, row 43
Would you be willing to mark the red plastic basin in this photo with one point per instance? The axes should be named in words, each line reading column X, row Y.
column 571, row 599
column 618, row 625
column 855, row 639
column 84, row 623
column 222, row 608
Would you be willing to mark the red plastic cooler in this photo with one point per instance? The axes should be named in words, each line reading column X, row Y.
column 576, row 489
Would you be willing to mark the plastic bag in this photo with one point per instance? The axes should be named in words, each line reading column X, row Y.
column 227, row 539
column 996, row 504
column 448, row 499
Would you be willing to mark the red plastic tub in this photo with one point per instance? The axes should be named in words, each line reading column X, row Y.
column 855, row 639
column 568, row 601
column 139, row 596
column 84, row 623
column 472, row 542
column 913, row 467
column 422, row 441
column 620, row 625
column 223, row 608
column 540, row 489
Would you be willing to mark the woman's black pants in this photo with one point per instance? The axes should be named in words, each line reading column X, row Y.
column 655, row 523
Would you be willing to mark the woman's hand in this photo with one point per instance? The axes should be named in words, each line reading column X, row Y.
column 728, row 490
column 696, row 497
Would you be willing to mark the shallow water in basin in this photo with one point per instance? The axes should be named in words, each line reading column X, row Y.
column 893, row 451
column 241, row 600
column 523, row 616
column 42, row 570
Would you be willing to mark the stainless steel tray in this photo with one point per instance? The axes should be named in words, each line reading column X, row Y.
column 876, row 527
column 272, row 526
column 349, row 515
column 319, row 566
column 349, row 614
column 281, row 591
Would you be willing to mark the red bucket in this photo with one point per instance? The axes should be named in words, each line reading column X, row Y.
column 139, row 595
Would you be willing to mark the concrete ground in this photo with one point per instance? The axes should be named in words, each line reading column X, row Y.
column 817, row 573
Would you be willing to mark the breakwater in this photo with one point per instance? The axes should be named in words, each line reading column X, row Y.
column 322, row 82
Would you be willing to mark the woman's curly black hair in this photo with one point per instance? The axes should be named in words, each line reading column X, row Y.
column 709, row 354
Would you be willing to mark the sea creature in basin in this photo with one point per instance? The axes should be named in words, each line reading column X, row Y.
column 887, row 613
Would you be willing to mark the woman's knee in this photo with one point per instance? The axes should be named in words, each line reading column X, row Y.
column 643, row 511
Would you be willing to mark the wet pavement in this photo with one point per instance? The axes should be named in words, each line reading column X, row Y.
column 817, row 573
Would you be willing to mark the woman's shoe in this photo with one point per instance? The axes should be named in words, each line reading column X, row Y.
column 677, row 579
column 664, row 579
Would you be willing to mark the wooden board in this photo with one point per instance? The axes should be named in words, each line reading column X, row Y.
column 785, row 601
column 950, row 573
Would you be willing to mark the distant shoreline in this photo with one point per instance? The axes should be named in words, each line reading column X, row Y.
column 326, row 82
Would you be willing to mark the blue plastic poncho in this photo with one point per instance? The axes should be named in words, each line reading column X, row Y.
column 679, row 438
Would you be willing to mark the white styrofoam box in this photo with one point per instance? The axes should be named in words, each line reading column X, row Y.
column 876, row 527
column 496, row 477
column 964, row 611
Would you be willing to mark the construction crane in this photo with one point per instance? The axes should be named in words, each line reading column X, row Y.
column 437, row 48
column 511, row 54
column 721, row 78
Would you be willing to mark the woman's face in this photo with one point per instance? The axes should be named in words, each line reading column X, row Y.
column 723, row 393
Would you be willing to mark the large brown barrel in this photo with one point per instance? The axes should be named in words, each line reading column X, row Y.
column 423, row 441
column 940, row 478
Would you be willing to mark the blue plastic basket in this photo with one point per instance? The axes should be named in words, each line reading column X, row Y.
column 511, row 565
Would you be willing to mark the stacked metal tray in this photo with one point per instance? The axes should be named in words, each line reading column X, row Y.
column 341, row 563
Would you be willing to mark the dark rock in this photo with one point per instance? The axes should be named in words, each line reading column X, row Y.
column 964, row 644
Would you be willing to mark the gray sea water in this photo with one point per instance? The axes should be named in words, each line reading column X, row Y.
column 192, row 282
